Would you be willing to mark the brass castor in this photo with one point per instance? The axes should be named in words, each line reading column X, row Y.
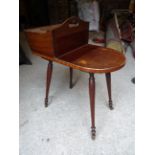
column 111, row 105
column 93, row 133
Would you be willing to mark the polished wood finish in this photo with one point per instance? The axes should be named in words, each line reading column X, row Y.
column 71, row 78
column 92, row 104
column 48, row 81
column 41, row 40
column 56, row 40
column 67, row 44
column 93, row 59
column 108, row 81
column 72, row 34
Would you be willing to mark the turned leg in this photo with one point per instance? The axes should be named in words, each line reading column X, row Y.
column 48, row 81
column 71, row 77
column 108, row 80
column 92, row 104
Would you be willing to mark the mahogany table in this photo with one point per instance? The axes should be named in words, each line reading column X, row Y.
column 67, row 44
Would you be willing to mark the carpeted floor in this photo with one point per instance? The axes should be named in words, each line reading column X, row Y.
column 64, row 127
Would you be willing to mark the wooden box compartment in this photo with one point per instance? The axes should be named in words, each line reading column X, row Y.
column 40, row 40
column 56, row 40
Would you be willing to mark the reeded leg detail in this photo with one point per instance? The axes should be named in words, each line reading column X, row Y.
column 93, row 132
column 71, row 77
column 48, row 81
column 92, row 104
column 108, row 80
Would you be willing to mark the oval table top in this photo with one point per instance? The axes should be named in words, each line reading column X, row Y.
column 93, row 59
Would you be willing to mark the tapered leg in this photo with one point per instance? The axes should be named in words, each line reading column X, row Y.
column 108, row 80
column 92, row 104
column 71, row 77
column 48, row 81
